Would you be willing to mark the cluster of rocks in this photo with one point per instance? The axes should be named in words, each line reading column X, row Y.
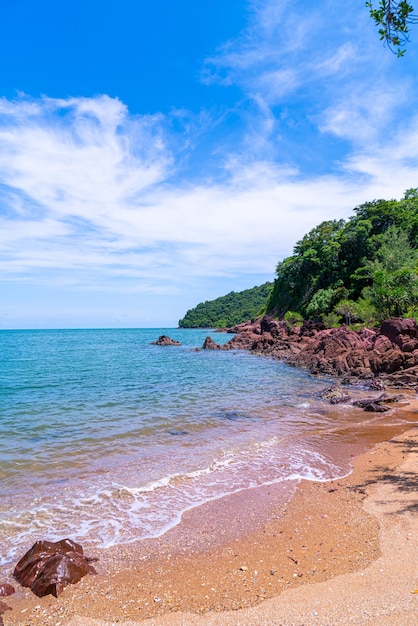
column 389, row 354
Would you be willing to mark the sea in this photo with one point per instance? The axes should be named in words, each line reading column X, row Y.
column 108, row 439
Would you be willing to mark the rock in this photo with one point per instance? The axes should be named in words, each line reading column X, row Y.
column 242, row 341
column 49, row 566
column 274, row 328
column 406, row 379
column 334, row 394
column 389, row 399
column 209, row 344
column 310, row 329
column 396, row 326
column 6, row 589
column 3, row 608
column 376, row 405
column 164, row 340
column 375, row 408
column 390, row 354
column 253, row 327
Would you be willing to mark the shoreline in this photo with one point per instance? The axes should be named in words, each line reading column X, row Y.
column 231, row 561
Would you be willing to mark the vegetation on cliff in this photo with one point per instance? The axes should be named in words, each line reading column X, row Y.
column 234, row 308
column 364, row 269
column 361, row 270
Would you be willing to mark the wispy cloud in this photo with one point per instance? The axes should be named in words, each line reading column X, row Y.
column 88, row 192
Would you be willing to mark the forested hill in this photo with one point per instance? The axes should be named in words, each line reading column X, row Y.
column 364, row 269
column 234, row 308
column 361, row 270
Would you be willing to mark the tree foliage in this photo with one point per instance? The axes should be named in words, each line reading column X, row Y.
column 394, row 286
column 393, row 18
column 228, row 310
column 360, row 268
column 364, row 269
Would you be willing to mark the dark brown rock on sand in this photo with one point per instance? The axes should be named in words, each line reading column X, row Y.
column 49, row 566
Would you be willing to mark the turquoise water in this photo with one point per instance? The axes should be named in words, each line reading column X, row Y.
column 107, row 438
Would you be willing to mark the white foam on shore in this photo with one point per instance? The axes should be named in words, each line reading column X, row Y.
column 122, row 512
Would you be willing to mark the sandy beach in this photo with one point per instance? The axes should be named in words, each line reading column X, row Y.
column 338, row 552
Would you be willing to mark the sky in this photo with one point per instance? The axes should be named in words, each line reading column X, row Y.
column 154, row 155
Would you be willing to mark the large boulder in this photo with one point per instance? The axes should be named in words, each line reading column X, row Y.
column 50, row 566
column 401, row 332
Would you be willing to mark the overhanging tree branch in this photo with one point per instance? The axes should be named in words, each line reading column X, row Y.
column 394, row 19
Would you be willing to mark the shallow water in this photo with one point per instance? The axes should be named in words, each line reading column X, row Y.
column 107, row 438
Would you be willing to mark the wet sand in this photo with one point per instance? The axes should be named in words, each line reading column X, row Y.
column 340, row 552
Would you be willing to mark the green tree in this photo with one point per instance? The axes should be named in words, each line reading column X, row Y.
column 293, row 318
column 393, row 17
column 321, row 302
column 366, row 312
column 394, row 275
column 348, row 309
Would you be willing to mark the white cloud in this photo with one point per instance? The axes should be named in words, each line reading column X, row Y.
column 92, row 201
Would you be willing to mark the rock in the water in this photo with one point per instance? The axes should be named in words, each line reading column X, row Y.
column 334, row 394
column 209, row 344
column 376, row 405
column 164, row 340
column 49, row 566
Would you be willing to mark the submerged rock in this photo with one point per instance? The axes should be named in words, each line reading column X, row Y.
column 334, row 394
column 49, row 566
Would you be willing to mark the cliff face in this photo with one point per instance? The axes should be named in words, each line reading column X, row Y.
column 390, row 353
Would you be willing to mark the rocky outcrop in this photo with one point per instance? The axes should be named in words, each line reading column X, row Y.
column 389, row 354
column 209, row 344
column 49, row 566
column 164, row 340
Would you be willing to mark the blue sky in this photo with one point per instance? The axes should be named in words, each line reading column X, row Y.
column 156, row 155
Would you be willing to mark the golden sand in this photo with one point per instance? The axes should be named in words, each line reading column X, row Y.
column 340, row 552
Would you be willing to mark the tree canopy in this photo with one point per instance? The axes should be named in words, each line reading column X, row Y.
column 363, row 267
